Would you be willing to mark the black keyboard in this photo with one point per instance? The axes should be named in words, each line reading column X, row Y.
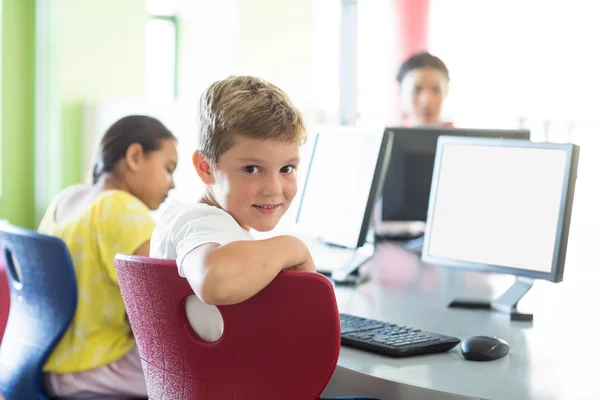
column 391, row 339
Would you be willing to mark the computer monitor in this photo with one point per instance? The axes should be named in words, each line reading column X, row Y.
column 501, row 205
column 344, row 178
column 407, row 186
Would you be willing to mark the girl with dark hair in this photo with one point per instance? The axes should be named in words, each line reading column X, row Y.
column 133, row 174
column 423, row 80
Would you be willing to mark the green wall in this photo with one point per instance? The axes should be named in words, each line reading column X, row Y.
column 17, row 112
column 101, row 56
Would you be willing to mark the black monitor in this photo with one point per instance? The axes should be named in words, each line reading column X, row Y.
column 408, row 183
column 501, row 205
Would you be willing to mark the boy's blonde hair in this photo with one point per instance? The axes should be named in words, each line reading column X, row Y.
column 249, row 107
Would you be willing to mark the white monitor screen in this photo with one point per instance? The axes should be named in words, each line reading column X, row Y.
column 497, row 205
column 338, row 187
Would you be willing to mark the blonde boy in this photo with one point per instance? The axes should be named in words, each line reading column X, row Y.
column 250, row 137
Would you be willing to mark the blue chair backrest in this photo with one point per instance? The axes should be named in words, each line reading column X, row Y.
column 43, row 295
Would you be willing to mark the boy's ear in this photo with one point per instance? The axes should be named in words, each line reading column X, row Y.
column 133, row 156
column 203, row 168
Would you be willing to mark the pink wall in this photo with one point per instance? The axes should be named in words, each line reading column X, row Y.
column 411, row 23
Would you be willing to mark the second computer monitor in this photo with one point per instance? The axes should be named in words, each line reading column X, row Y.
column 344, row 178
column 408, row 183
column 501, row 206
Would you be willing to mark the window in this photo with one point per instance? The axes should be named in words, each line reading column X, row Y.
column 326, row 61
column 511, row 66
column 376, row 62
column 161, row 50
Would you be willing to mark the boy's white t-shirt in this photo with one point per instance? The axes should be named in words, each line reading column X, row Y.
column 181, row 229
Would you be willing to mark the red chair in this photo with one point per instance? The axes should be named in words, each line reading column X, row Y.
column 4, row 298
column 283, row 343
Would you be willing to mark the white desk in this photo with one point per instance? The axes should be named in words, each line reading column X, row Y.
column 554, row 357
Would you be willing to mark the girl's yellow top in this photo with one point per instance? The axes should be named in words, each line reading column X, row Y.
column 116, row 222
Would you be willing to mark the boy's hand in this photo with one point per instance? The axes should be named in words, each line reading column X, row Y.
column 306, row 261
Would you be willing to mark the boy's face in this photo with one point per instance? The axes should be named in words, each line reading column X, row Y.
column 423, row 90
column 255, row 181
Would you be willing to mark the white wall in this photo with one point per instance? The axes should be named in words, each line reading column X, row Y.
column 101, row 48
column 292, row 44
column 276, row 44
column 209, row 38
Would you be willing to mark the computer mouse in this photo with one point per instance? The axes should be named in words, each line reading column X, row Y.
column 484, row 348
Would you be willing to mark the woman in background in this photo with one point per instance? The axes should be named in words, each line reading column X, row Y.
column 133, row 175
column 423, row 80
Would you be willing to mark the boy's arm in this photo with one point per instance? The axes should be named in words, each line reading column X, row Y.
column 234, row 272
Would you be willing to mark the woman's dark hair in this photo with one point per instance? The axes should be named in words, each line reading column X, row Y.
column 147, row 131
column 422, row 60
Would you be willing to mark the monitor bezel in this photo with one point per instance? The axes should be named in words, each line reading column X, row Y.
column 565, row 210
column 377, row 181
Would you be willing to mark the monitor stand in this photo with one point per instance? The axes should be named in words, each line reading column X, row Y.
column 350, row 273
column 341, row 264
column 506, row 304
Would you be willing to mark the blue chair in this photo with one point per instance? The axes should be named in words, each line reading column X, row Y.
column 43, row 296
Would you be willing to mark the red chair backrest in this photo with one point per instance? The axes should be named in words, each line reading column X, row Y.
column 4, row 298
column 283, row 343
